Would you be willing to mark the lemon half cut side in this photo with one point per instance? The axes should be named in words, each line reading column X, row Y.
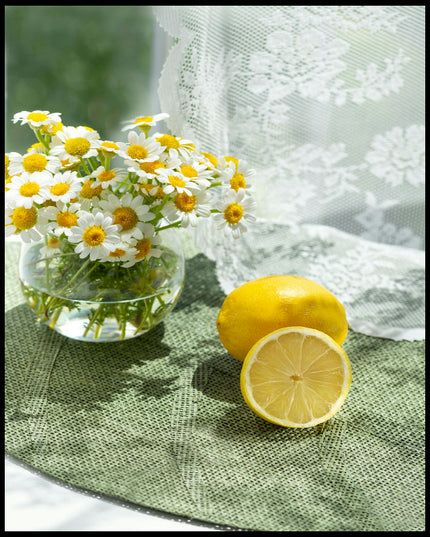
column 295, row 377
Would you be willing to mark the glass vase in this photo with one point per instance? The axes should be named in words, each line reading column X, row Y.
column 93, row 301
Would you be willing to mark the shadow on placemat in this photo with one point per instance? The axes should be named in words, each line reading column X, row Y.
column 159, row 421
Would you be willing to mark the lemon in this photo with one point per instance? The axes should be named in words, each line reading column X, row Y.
column 261, row 306
column 295, row 377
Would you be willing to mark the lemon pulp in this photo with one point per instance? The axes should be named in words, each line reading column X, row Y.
column 296, row 377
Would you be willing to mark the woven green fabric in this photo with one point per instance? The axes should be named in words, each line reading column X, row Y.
column 160, row 421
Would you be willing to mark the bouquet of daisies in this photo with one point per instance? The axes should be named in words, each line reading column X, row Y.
column 108, row 198
column 108, row 202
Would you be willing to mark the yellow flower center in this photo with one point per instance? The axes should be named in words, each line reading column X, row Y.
column 53, row 242
column 77, row 147
column 233, row 213
column 67, row 219
column 145, row 119
column 55, row 127
column 107, row 175
column 232, row 159
column 185, row 203
column 117, row 253
column 143, row 248
column 137, row 151
column 37, row 116
column 23, row 218
column 34, row 163
column 49, row 203
column 148, row 187
column 59, row 189
column 150, row 167
column 211, row 159
column 37, row 146
column 67, row 164
column 88, row 191
column 168, row 141
column 237, row 181
column 109, row 146
column 188, row 171
column 29, row 189
column 94, row 236
column 51, row 128
column 125, row 217
column 176, row 181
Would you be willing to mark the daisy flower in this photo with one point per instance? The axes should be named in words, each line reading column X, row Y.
column 197, row 172
column 187, row 208
column 150, row 190
column 64, row 186
column 124, row 252
column 174, row 146
column 210, row 160
column 128, row 213
column 174, row 181
column 33, row 162
column 144, row 122
column 6, row 165
column 29, row 224
column 8, row 180
column 93, row 131
column 236, row 210
column 108, row 148
column 51, row 128
column 52, row 247
column 37, row 118
column 74, row 143
column 236, row 174
column 224, row 162
column 95, row 235
column 104, row 178
column 146, row 248
column 61, row 218
column 36, row 148
column 28, row 188
column 140, row 148
column 146, row 170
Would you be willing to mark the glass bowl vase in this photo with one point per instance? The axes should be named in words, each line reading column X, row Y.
column 94, row 301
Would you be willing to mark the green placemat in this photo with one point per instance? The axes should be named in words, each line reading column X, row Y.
column 159, row 421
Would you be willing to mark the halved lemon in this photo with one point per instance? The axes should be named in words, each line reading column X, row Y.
column 295, row 377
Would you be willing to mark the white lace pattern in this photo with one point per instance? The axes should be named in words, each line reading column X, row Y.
column 327, row 104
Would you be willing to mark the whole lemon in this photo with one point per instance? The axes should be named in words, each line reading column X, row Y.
column 261, row 306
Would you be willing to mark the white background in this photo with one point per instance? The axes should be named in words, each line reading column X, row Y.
column 35, row 502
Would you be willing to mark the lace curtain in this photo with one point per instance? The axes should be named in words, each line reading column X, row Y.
column 326, row 103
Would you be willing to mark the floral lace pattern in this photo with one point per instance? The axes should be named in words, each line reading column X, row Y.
column 327, row 104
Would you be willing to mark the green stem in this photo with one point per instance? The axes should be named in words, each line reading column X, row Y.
column 123, row 182
column 42, row 139
column 93, row 319
column 158, row 208
column 106, row 163
column 83, row 267
column 218, row 183
column 123, row 314
column 54, row 318
column 85, row 166
column 52, row 299
column 175, row 224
